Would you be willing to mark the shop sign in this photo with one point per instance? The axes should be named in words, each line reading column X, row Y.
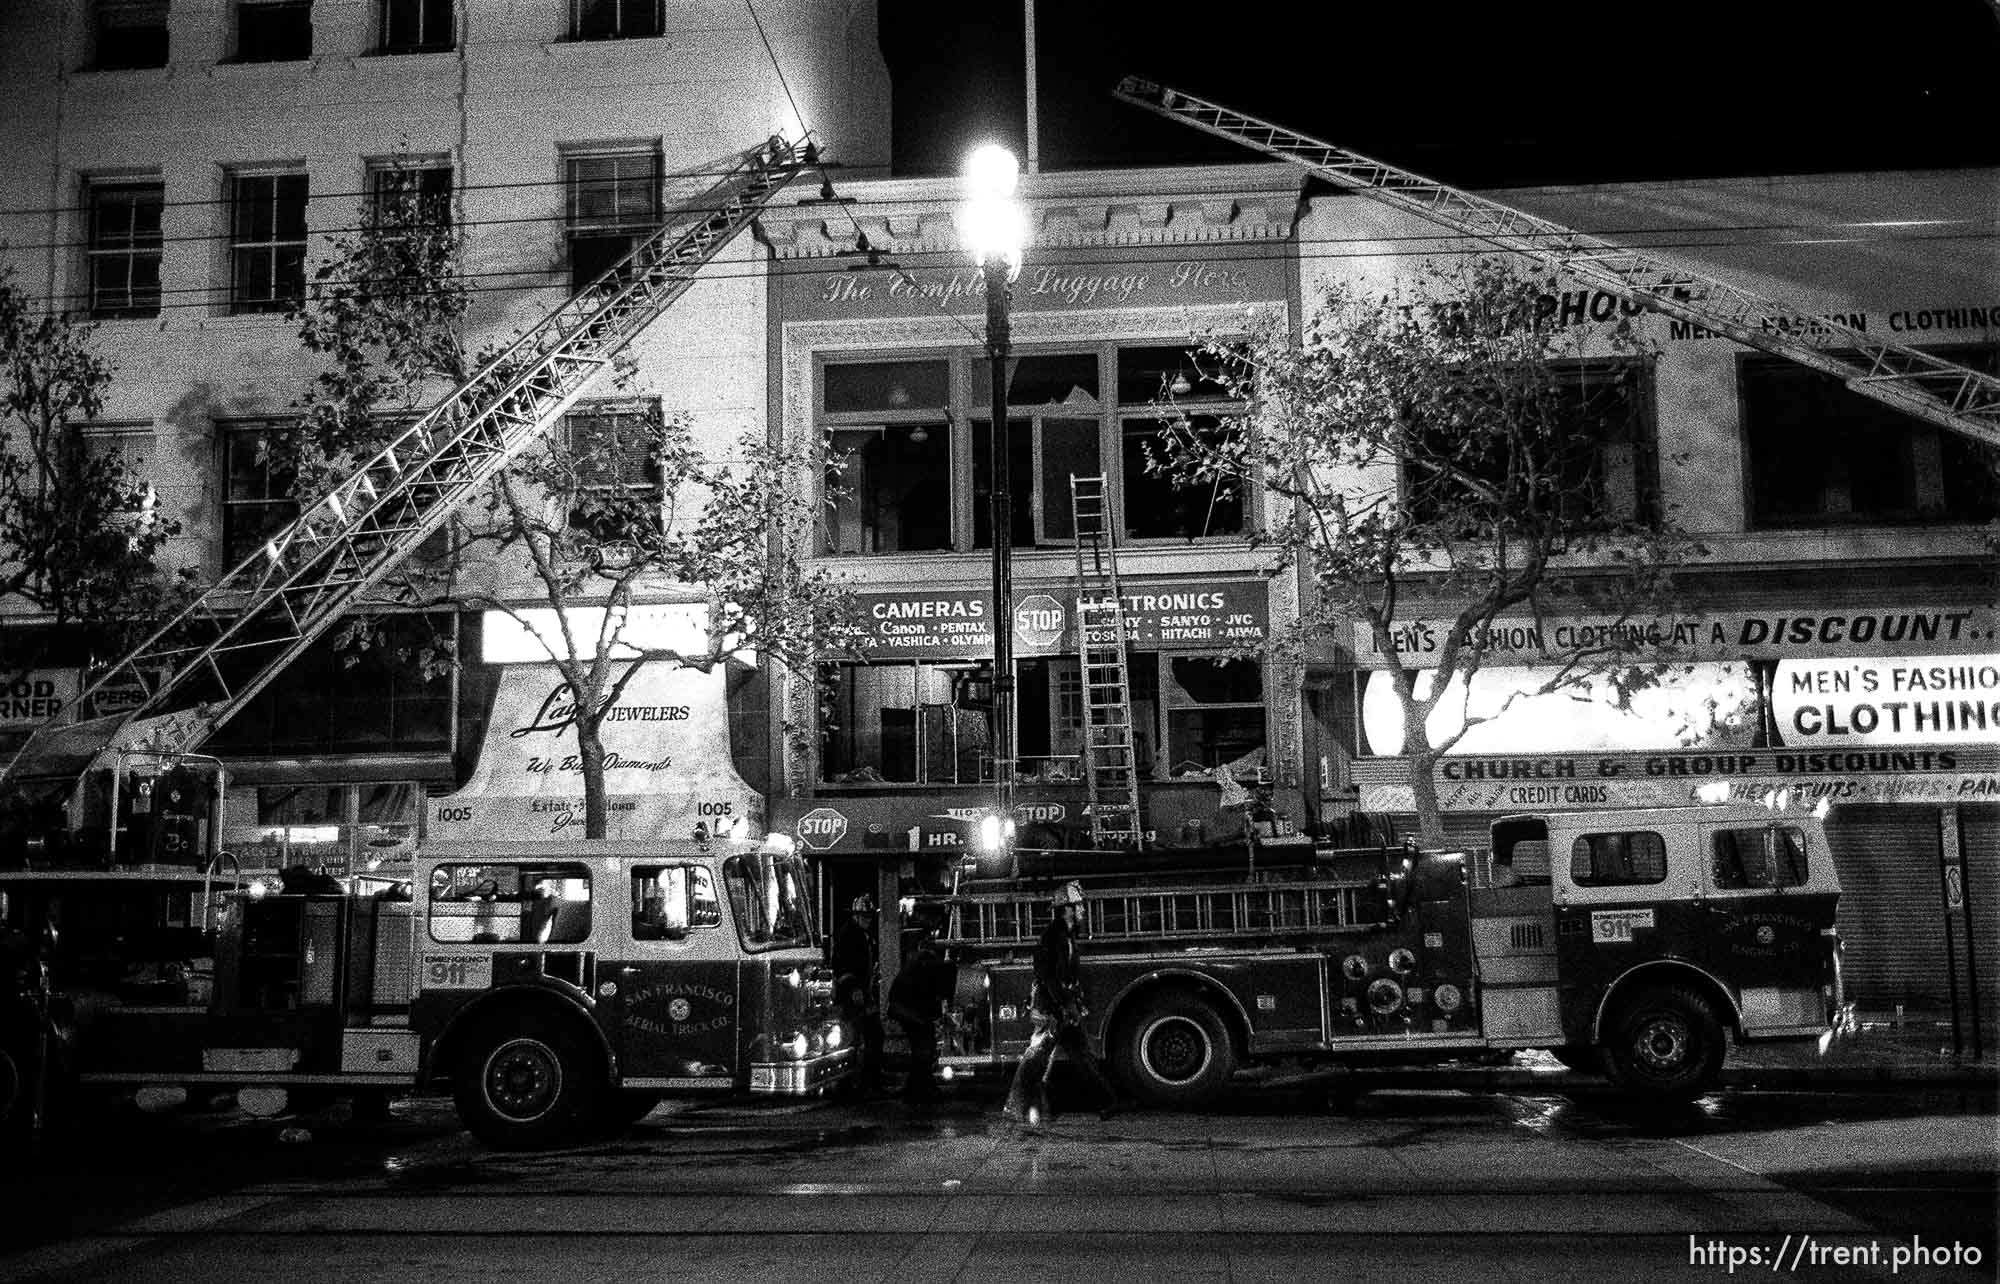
column 821, row 828
column 667, row 762
column 122, row 692
column 1083, row 280
column 1581, row 782
column 1714, row 635
column 1930, row 699
column 29, row 699
column 950, row 624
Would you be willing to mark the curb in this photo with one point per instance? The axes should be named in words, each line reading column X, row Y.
column 1981, row 1079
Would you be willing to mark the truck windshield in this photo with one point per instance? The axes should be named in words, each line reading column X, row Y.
column 768, row 894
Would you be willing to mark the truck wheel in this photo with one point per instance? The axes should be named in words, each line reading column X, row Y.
column 1175, row 1051
column 525, row 1084
column 1665, row 1044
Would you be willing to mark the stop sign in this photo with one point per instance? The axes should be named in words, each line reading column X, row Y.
column 821, row 828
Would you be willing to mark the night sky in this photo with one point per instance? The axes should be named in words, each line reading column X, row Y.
column 1474, row 94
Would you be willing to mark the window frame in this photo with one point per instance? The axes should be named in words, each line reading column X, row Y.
column 965, row 416
column 651, row 13
column 524, row 873
column 644, row 875
column 281, row 50
column 133, row 248
column 1793, row 858
column 278, row 245
column 1925, row 449
column 239, row 435
column 630, row 227
column 385, row 24
column 1590, row 877
column 104, row 9
column 615, row 410
column 407, row 178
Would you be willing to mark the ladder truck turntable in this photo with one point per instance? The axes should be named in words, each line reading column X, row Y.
column 551, row 987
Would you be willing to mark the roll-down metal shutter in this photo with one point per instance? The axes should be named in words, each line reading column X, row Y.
column 1891, row 910
column 1979, row 845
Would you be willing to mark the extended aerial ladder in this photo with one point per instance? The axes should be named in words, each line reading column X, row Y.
column 210, row 660
column 1110, row 753
column 1917, row 383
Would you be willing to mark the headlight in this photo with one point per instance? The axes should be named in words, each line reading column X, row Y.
column 793, row 978
column 1384, row 996
column 817, row 1044
column 835, row 1036
column 793, row 1045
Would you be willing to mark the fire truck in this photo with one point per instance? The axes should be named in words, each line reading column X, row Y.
column 553, row 988
column 1633, row 942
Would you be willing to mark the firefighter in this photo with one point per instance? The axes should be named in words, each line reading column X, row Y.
column 1057, row 1004
column 916, row 999
column 853, row 962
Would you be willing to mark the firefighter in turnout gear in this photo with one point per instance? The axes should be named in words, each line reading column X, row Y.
column 853, row 963
column 1057, row 1003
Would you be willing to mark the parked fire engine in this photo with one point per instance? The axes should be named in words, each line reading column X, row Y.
column 1637, row 942
column 552, row 987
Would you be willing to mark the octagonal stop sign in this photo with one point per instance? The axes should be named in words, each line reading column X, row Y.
column 821, row 828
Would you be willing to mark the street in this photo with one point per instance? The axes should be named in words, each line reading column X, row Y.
column 1279, row 1183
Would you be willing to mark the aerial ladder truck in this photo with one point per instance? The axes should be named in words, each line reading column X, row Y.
column 552, row 987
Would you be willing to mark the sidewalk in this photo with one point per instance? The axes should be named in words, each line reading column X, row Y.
column 1877, row 1056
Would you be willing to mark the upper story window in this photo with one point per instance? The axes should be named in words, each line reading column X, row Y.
column 1821, row 455
column 129, row 34
column 1598, row 448
column 1057, row 438
column 910, row 461
column 613, row 202
column 613, row 19
column 267, row 241
column 405, row 193
column 259, row 496
column 417, row 26
column 619, row 483
column 124, row 249
column 273, row 30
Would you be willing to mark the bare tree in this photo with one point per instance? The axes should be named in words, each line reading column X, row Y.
column 1448, row 452
column 592, row 518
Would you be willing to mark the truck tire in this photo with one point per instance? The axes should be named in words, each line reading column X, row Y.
column 1175, row 1051
column 525, row 1084
column 1665, row 1044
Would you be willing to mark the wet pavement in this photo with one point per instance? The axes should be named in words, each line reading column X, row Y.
column 1283, row 1182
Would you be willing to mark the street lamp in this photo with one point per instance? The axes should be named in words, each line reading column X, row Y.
column 995, row 228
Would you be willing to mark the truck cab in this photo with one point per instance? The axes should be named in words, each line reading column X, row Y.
column 559, row 980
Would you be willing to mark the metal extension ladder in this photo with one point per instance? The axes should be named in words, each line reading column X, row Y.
column 214, row 657
column 1243, row 912
column 1952, row 396
column 1110, row 753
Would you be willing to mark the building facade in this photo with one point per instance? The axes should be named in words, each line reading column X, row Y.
column 173, row 172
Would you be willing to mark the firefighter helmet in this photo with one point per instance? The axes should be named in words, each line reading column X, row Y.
column 1068, row 894
column 863, row 904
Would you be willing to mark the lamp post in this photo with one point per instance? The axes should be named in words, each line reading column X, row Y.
column 995, row 228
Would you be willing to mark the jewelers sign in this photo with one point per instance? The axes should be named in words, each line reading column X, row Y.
column 667, row 764
column 950, row 624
